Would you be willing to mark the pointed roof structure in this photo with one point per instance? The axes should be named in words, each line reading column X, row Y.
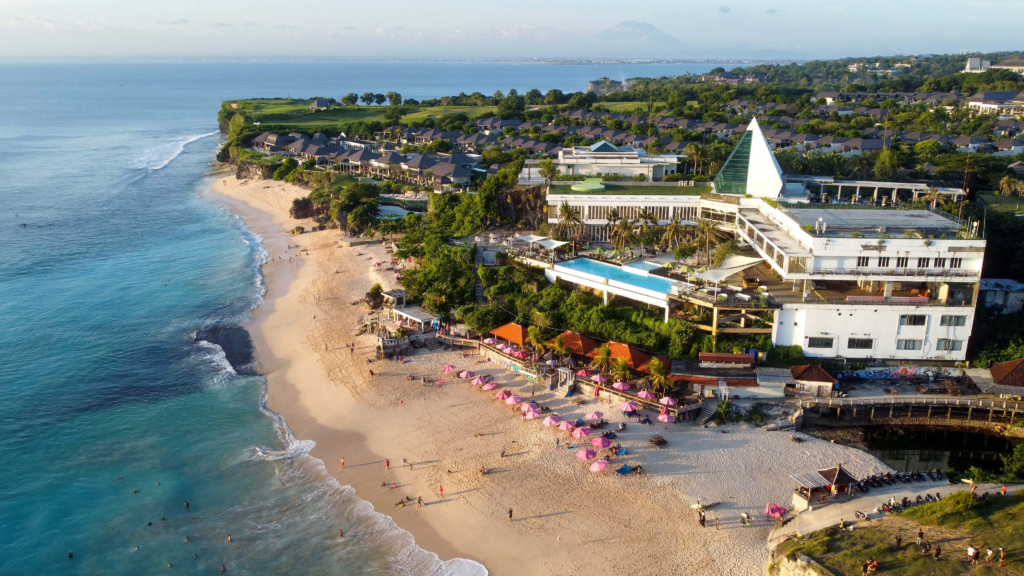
column 751, row 168
column 579, row 343
column 634, row 358
column 812, row 373
column 512, row 332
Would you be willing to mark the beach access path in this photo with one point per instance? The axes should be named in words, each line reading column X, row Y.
column 565, row 519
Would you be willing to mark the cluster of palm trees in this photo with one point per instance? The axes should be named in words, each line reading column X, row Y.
column 618, row 369
column 707, row 159
column 1010, row 186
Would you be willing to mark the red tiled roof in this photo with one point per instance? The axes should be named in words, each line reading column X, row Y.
column 635, row 358
column 512, row 332
column 579, row 343
column 665, row 361
column 1009, row 373
column 812, row 373
column 726, row 358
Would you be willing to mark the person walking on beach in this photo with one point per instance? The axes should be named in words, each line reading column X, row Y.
column 229, row 537
column 342, row 462
column 419, row 501
column 404, row 463
column 899, row 541
column 387, row 465
column 510, row 514
column 440, row 491
column 341, row 533
column 716, row 524
column 920, row 536
column 938, row 551
column 988, row 556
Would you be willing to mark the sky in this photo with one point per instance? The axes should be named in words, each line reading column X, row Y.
column 460, row 29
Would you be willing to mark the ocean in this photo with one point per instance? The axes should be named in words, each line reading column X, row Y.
column 112, row 416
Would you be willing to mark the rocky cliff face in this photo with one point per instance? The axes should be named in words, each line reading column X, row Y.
column 254, row 171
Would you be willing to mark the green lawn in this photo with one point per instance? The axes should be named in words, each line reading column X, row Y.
column 627, row 189
column 295, row 112
column 952, row 523
column 1010, row 204
column 629, row 107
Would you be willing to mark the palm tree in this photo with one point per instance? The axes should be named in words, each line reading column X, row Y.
column 1010, row 185
column 675, row 234
column 560, row 348
column 659, row 377
column 619, row 370
column 693, row 153
column 603, row 360
column 534, row 338
column 933, row 197
column 646, row 218
column 859, row 167
column 708, row 231
column 623, row 235
column 568, row 220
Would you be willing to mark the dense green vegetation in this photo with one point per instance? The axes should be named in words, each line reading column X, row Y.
column 954, row 522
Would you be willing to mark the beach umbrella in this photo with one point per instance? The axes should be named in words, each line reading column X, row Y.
column 398, row 275
column 466, row 374
column 667, row 418
column 598, row 378
column 599, row 466
column 646, row 395
column 551, row 363
column 513, row 400
column 586, row 454
column 583, row 373
column 532, row 414
column 528, row 406
column 448, row 368
column 628, row 407
column 489, row 340
column 667, row 401
column 551, row 420
column 600, row 443
column 581, row 432
column 502, row 394
column 489, row 386
column 599, row 251
column 566, row 426
column 595, row 415
column 620, row 386
column 479, row 381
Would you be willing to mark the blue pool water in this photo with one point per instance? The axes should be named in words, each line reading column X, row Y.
column 612, row 272
column 641, row 267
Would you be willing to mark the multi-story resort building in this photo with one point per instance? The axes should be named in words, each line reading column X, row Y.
column 604, row 158
column 846, row 280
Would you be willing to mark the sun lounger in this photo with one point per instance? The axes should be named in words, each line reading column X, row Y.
column 620, row 452
column 624, row 470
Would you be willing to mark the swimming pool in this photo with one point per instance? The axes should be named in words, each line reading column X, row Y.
column 616, row 273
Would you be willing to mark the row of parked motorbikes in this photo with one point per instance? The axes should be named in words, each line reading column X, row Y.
column 890, row 478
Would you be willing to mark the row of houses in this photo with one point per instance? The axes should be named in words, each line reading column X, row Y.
column 780, row 139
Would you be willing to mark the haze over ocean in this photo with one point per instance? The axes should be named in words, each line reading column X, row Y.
column 119, row 261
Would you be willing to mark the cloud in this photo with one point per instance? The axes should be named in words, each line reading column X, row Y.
column 39, row 23
column 221, row 25
column 771, row 11
column 253, row 24
column 178, row 22
column 288, row 27
column 724, row 9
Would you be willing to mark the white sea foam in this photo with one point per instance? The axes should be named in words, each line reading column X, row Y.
column 216, row 355
column 159, row 156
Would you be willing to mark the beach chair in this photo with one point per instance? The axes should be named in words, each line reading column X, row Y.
column 624, row 470
column 620, row 452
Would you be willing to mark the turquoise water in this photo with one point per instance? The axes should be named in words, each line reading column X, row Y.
column 109, row 261
column 612, row 272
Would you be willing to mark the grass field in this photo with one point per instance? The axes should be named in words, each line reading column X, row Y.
column 1011, row 204
column 953, row 523
column 295, row 112
column 627, row 189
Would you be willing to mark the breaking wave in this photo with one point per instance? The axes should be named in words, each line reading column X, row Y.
column 159, row 156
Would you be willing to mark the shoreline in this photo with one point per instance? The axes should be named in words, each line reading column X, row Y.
column 567, row 520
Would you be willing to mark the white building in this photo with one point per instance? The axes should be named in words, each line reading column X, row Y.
column 604, row 158
column 977, row 65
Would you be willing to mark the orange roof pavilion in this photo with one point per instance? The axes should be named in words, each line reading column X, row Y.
column 512, row 332
column 579, row 343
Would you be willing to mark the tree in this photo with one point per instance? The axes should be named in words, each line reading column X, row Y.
column 569, row 220
column 392, row 115
column 619, row 370
column 623, row 235
column 350, row 99
column 708, row 231
column 442, row 146
column 859, row 167
column 695, row 154
column 684, row 251
column 724, row 250
column 554, row 97
column 512, row 106
column 367, row 98
column 675, row 234
column 887, row 164
column 928, row 148
column 444, row 102
column 933, row 197
column 602, row 360
column 659, row 376
column 547, row 169
column 379, row 99
column 394, row 99
column 613, row 218
column 560, row 347
column 534, row 338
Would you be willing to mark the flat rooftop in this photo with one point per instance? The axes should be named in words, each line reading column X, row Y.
column 869, row 220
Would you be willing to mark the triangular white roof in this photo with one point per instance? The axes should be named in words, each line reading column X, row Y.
column 764, row 176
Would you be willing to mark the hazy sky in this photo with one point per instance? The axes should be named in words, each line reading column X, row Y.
column 325, row 29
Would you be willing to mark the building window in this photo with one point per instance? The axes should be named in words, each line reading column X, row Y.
column 860, row 343
column 940, row 262
column 923, row 262
column 949, row 345
column 908, row 344
column 956, row 262
column 953, row 321
column 883, row 262
column 819, row 342
column 913, row 320
column 862, row 261
column 901, row 261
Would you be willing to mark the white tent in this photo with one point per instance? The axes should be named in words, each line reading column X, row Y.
column 731, row 265
column 531, row 238
column 736, row 261
column 551, row 244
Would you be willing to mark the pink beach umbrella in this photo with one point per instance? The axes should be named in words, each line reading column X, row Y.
column 595, row 415
column 552, row 420
column 528, row 406
column 513, row 400
column 466, row 374
column 600, row 443
column 448, row 368
column 478, row 381
column 599, row 466
column 551, row 363
column 581, row 432
column 583, row 373
column 586, row 454
column 598, row 378
column 489, row 386
column 533, row 414
column 666, row 401
column 620, row 386
column 398, row 275
column 628, row 406
column 646, row 395
column 489, row 340
column 666, row 418
column 502, row 394
column 566, row 426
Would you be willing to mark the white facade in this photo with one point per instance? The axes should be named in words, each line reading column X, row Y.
column 594, row 208
column 605, row 158
column 977, row 65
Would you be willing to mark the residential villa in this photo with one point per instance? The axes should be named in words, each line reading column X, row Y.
column 605, row 158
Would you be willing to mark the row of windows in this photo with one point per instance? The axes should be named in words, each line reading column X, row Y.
column 943, row 344
column 904, row 262
column 662, row 213
column 921, row 319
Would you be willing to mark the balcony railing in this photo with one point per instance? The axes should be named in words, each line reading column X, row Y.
column 914, row 272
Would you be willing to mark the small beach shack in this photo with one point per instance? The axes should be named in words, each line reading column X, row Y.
column 813, row 380
column 512, row 333
column 814, row 488
column 412, row 317
column 394, row 298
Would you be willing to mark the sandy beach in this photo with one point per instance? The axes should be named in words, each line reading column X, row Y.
column 565, row 520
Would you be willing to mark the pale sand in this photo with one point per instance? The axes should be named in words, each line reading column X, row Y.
column 566, row 520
